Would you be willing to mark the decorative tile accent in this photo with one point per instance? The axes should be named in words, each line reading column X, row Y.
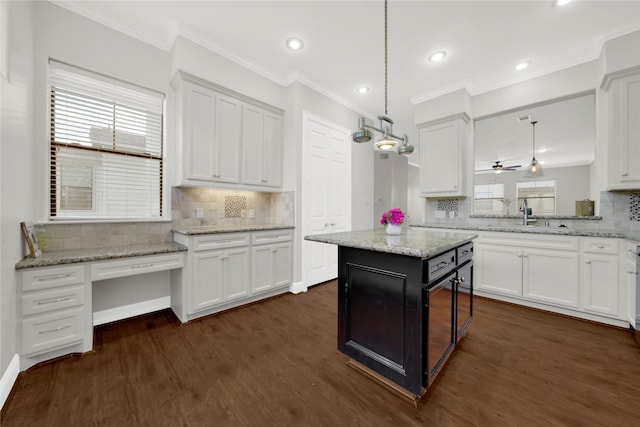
column 634, row 207
column 234, row 205
column 450, row 206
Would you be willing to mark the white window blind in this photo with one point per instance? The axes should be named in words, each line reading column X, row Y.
column 488, row 199
column 540, row 195
column 106, row 147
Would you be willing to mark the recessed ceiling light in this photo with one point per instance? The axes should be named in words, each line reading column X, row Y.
column 562, row 2
column 438, row 56
column 521, row 66
column 363, row 89
column 294, row 43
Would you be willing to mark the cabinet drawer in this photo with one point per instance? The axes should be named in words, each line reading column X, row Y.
column 51, row 300
column 465, row 253
column 599, row 245
column 52, row 277
column 440, row 265
column 52, row 331
column 265, row 237
column 218, row 241
column 135, row 265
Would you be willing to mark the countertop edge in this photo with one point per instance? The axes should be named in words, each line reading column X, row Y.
column 48, row 259
column 196, row 230
column 554, row 231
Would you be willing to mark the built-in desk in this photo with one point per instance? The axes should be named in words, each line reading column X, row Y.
column 55, row 315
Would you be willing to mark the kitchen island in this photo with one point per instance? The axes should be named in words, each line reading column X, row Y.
column 404, row 301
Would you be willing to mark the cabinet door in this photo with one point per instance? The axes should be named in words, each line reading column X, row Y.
column 272, row 161
column 624, row 135
column 440, row 324
column 464, row 299
column 206, row 289
column 442, row 160
column 600, row 284
column 237, row 277
column 498, row 269
column 261, row 268
column 552, row 276
column 228, row 139
column 253, row 145
column 631, row 275
column 282, row 263
column 199, row 132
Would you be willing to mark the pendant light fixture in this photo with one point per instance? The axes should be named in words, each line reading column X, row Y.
column 388, row 141
column 535, row 170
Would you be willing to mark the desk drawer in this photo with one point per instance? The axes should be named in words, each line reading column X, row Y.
column 52, row 331
column 135, row 265
column 51, row 300
column 51, row 277
column 600, row 245
column 465, row 253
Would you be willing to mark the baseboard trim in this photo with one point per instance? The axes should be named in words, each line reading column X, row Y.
column 297, row 287
column 130, row 310
column 9, row 379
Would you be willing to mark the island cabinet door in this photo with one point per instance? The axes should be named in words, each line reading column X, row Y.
column 439, row 318
column 380, row 314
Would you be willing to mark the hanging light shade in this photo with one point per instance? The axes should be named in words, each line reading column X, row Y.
column 388, row 141
column 534, row 170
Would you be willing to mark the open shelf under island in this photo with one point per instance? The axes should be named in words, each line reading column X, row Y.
column 404, row 300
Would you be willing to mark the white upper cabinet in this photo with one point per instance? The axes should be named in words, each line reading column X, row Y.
column 225, row 139
column 262, row 147
column 624, row 132
column 443, row 158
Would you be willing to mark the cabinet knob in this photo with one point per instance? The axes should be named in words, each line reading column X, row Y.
column 461, row 280
column 625, row 174
column 587, row 262
column 632, row 272
column 326, row 224
column 600, row 246
column 333, row 223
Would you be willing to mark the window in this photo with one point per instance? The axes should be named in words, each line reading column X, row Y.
column 541, row 196
column 488, row 199
column 106, row 147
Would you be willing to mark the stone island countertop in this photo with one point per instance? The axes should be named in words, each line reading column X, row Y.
column 216, row 229
column 98, row 254
column 415, row 242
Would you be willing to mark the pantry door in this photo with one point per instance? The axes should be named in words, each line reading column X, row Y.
column 326, row 195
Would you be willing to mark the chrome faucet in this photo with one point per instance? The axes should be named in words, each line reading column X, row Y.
column 525, row 212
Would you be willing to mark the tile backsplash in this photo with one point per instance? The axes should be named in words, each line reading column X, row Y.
column 55, row 237
column 230, row 207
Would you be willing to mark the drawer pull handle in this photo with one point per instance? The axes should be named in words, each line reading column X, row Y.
column 464, row 252
column 223, row 241
column 600, row 246
column 59, row 276
column 67, row 326
column 632, row 272
column 142, row 265
column 587, row 262
column 53, row 301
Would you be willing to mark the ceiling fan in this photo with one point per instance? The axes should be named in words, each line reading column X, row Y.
column 499, row 168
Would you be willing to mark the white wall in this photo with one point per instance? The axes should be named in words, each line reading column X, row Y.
column 16, row 157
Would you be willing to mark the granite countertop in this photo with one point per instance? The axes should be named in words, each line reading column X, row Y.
column 537, row 229
column 534, row 216
column 412, row 242
column 216, row 229
column 98, row 254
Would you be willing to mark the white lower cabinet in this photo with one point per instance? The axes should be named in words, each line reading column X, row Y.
column 580, row 276
column 534, row 270
column 551, row 276
column 230, row 269
column 54, row 312
column 601, row 276
column 629, row 276
column 219, row 276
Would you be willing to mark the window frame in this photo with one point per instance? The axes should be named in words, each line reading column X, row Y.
column 54, row 187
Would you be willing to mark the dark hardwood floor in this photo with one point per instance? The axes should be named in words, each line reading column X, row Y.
column 275, row 363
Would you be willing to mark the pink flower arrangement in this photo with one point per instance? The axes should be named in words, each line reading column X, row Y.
column 392, row 216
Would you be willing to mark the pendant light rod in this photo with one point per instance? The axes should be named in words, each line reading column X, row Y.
column 389, row 141
column 386, row 113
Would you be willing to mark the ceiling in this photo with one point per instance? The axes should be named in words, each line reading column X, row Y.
column 344, row 41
